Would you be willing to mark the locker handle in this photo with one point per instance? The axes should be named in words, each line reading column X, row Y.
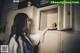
column 62, row 46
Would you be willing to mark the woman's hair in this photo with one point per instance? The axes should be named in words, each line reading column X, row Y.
column 20, row 23
column 19, row 27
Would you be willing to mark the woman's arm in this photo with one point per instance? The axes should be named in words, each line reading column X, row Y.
column 46, row 29
column 39, row 36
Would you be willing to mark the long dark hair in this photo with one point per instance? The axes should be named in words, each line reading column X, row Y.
column 20, row 23
column 19, row 27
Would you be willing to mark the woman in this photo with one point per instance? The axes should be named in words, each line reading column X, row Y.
column 21, row 40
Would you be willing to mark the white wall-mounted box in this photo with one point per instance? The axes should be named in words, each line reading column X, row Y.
column 61, row 14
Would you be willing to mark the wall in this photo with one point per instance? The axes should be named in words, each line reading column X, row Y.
column 1, row 7
column 7, row 7
column 76, row 17
column 43, row 21
column 51, row 18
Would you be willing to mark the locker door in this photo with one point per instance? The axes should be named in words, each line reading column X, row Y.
column 50, row 43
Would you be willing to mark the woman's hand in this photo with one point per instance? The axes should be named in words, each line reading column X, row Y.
column 53, row 27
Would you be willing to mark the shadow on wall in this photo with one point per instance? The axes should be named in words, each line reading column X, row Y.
column 74, row 46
